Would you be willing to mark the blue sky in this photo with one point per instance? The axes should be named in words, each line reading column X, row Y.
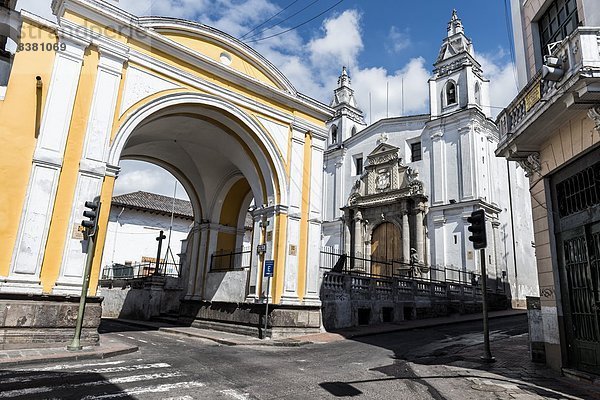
column 382, row 42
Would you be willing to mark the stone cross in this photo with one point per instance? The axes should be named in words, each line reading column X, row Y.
column 160, row 238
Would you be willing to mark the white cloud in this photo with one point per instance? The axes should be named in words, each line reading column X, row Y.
column 408, row 86
column 397, row 40
column 139, row 175
column 341, row 42
column 502, row 76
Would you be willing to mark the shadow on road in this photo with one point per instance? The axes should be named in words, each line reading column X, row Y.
column 44, row 384
column 454, row 352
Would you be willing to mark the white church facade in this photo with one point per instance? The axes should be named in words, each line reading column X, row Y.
column 401, row 189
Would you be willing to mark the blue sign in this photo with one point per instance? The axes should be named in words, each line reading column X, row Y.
column 269, row 267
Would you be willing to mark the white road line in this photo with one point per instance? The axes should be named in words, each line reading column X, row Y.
column 235, row 394
column 149, row 389
column 143, row 341
column 186, row 397
column 111, row 381
column 126, row 368
column 131, row 337
column 70, row 366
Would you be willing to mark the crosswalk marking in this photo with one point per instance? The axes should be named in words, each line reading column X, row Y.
column 110, row 381
column 235, row 394
column 72, row 366
column 126, row 368
column 146, row 389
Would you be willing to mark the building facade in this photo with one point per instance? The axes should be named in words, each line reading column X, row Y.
column 114, row 86
column 134, row 223
column 402, row 188
column 552, row 128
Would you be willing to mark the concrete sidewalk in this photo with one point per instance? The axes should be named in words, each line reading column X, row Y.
column 107, row 347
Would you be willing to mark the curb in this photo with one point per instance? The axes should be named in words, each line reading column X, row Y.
column 424, row 326
column 275, row 343
column 70, row 357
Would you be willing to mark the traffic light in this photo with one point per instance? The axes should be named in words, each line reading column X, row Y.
column 477, row 228
column 91, row 224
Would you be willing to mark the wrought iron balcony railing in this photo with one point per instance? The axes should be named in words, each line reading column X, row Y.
column 579, row 57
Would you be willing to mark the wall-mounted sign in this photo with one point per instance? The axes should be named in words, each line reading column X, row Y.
column 269, row 268
column 261, row 249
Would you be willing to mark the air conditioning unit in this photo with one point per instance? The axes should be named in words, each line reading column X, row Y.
column 552, row 69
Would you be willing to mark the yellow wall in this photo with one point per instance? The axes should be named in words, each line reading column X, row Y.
column 214, row 51
column 106, row 200
column 230, row 212
column 18, row 134
column 67, row 182
column 304, row 210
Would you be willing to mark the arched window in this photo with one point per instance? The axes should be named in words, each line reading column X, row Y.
column 477, row 93
column 353, row 130
column 450, row 93
column 334, row 134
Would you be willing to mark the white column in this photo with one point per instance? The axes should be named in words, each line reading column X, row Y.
column 292, row 251
column 92, row 166
column 28, row 254
column 313, row 275
column 468, row 178
column 347, row 235
column 419, row 234
column 192, row 253
column 358, row 239
column 438, row 181
column 253, row 294
column 405, row 237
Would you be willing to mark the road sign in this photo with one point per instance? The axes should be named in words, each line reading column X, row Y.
column 261, row 249
column 269, row 267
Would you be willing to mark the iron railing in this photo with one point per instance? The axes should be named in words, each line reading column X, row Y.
column 227, row 260
column 140, row 270
column 337, row 262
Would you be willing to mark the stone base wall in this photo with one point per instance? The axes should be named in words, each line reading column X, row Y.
column 350, row 301
column 248, row 319
column 141, row 299
column 46, row 321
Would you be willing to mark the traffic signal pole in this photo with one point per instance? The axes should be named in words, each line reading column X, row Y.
column 487, row 355
column 91, row 229
column 479, row 239
column 76, row 343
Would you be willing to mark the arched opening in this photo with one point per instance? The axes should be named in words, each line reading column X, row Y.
column 478, row 94
column 147, row 200
column 334, row 134
column 450, row 93
column 353, row 130
column 386, row 246
column 224, row 162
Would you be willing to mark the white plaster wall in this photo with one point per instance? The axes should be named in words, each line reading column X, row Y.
column 134, row 235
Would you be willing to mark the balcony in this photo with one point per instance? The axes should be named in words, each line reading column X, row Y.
column 538, row 110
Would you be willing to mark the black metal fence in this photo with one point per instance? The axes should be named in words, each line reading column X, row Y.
column 334, row 261
column 140, row 270
column 227, row 260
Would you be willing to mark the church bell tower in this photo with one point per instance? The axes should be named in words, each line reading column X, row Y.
column 457, row 82
column 348, row 118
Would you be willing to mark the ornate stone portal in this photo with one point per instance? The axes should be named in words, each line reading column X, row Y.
column 385, row 214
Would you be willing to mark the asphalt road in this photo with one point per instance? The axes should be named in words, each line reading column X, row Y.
column 402, row 365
